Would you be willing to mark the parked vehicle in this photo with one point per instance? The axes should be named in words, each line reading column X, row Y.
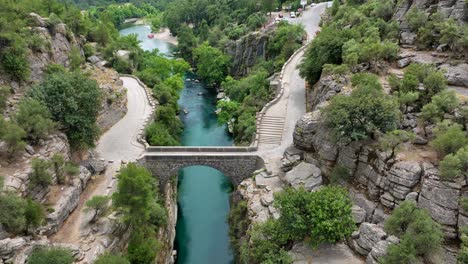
column 293, row 15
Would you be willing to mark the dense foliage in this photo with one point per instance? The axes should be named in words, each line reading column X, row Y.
column 355, row 34
column 136, row 197
column 367, row 110
column 419, row 234
column 323, row 216
column 74, row 101
column 50, row 256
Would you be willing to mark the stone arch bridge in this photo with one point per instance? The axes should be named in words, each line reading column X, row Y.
column 237, row 163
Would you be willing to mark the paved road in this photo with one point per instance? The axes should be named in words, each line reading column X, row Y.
column 119, row 142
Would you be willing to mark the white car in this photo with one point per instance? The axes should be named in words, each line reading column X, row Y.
column 292, row 15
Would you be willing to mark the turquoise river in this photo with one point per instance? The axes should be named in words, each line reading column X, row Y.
column 203, row 192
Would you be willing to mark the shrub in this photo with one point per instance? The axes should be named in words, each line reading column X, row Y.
column 455, row 165
column 12, row 210
column 34, row 118
column 416, row 19
column 13, row 136
column 33, row 214
column 419, row 234
column 394, row 82
column 75, row 58
column 324, row 215
column 71, row 169
column 15, row 63
column 212, row 64
column 157, row 134
column 407, row 99
column 449, row 137
column 442, row 103
column 142, row 247
column 364, row 112
column 58, row 164
column 88, row 50
column 108, row 258
column 40, row 175
column 4, row 93
column 50, row 256
column 392, row 140
column 339, row 174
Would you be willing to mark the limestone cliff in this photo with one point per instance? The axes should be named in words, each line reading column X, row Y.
column 248, row 50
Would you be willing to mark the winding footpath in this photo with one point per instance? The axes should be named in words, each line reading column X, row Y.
column 119, row 143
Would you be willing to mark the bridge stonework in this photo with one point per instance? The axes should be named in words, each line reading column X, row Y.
column 235, row 167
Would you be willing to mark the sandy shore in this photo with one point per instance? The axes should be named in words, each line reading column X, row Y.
column 165, row 35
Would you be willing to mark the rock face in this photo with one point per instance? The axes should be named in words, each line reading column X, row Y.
column 246, row 51
column 456, row 74
column 304, row 175
column 326, row 88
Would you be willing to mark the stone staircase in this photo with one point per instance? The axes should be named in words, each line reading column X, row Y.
column 271, row 130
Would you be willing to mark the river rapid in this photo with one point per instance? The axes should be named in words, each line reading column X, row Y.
column 203, row 192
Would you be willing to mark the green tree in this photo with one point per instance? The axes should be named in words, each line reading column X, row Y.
column 34, row 118
column 40, row 175
column 58, row 164
column 361, row 114
column 33, row 214
column 74, row 101
column 12, row 210
column 108, row 258
column 50, row 256
column 142, row 247
column 407, row 99
column 99, row 205
column 212, row 64
column 324, row 215
column 75, row 58
column 449, row 137
column 13, row 136
column 416, row 19
column 455, row 165
column 228, row 110
column 4, row 93
column 419, row 234
column 135, row 193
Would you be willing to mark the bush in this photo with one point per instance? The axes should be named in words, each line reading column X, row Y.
column 58, row 164
column 142, row 247
column 33, row 214
column 392, row 141
column 416, row 19
column 50, row 256
column 4, row 93
column 449, row 137
column 339, row 174
column 35, row 119
column 419, row 234
column 463, row 253
column 366, row 111
column 15, row 63
column 88, row 50
column 12, row 210
column 73, row 100
column 455, row 165
column 238, row 225
column 157, row 134
column 108, row 258
column 442, row 103
column 40, row 175
column 212, row 64
column 13, row 136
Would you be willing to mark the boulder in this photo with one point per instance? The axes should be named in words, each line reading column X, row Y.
column 408, row 38
column 93, row 59
column 360, row 200
column 9, row 246
column 95, row 166
column 359, row 214
column 402, row 177
column 456, row 75
column 123, row 54
column 369, row 236
column 304, row 174
column 37, row 20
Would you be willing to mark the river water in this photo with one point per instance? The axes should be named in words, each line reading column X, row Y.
column 203, row 192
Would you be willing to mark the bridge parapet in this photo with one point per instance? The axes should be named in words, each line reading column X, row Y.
column 201, row 149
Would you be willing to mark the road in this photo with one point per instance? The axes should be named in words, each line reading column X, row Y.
column 119, row 143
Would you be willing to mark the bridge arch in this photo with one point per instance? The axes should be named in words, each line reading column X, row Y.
column 237, row 168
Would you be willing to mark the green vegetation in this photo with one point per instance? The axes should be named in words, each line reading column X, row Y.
column 40, row 175
column 50, row 256
column 322, row 216
column 212, row 64
column 355, row 34
column 18, row 215
column 108, row 258
column 136, row 197
column 455, row 165
column 13, row 136
column 4, row 93
column 392, row 141
column 366, row 111
column 463, row 253
column 73, row 100
column 99, row 205
column 35, row 119
column 238, row 225
column 419, row 234
column 449, row 137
